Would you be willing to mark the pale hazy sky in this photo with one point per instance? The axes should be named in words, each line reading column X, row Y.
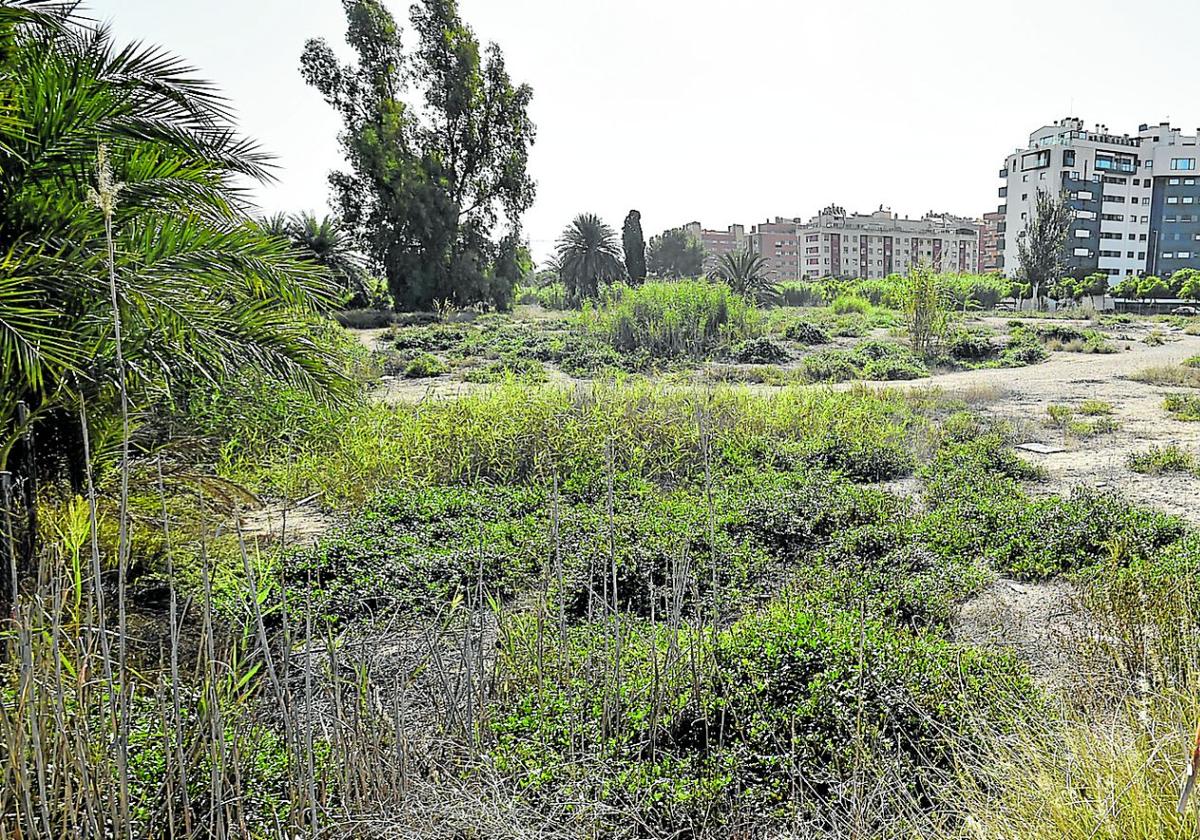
column 730, row 111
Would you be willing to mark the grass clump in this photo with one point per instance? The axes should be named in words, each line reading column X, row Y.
column 850, row 305
column 1162, row 459
column 1175, row 376
column 685, row 319
column 1183, row 406
column 525, row 370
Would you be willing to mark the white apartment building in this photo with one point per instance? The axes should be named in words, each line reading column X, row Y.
column 838, row 244
column 1135, row 198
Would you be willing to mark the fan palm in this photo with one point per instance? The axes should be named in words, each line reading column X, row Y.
column 327, row 243
column 202, row 291
column 746, row 274
column 589, row 254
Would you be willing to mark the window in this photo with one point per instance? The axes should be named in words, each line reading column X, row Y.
column 1188, row 199
column 1083, row 234
column 1189, row 182
column 1141, row 255
column 1069, row 157
column 1129, row 254
column 1082, row 195
column 1167, row 255
column 1173, row 182
column 1172, row 199
column 1082, row 252
column 1183, row 163
column 1184, row 255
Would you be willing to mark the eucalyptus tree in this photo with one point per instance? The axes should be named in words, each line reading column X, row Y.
column 588, row 256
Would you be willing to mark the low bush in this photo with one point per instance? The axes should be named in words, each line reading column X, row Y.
column 807, row 333
column 365, row 319
column 1023, row 349
column 425, row 365
column 895, row 368
column 758, row 351
column 798, row 293
column 1095, row 408
column 971, row 346
column 526, row 370
column 1162, row 459
column 850, row 304
column 1183, row 406
column 869, row 360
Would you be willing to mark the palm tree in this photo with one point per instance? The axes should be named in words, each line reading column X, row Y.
column 201, row 292
column 589, row 254
column 746, row 275
column 326, row 242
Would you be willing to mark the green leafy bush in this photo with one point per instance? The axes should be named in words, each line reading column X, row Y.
column 759, row 351
column 807, row 333
column 1183, row 406
column 850, row 304
column 685, row 319
column 528, row 370
column 425, row 365
column 1162, row 459
column 971, row 346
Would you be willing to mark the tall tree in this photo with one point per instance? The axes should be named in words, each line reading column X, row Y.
column 431, row 176
column 635, row 248
column 588, row 255
column 675, row 254
column 1042, row 246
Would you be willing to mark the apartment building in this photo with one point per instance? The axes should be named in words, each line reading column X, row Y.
column 778, row 243
column 717, row 243
column 840, row 244
column 990, row 251
column 1135, row 198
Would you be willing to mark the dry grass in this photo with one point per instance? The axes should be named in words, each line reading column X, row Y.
column 1172, row 376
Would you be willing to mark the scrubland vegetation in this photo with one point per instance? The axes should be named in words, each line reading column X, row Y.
column 597, row 594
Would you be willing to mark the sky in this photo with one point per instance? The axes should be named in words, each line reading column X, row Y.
column 728, row 112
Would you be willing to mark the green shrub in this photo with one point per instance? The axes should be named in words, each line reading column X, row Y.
column 554, row 296
column 971, row 346
column 685, row 319
column 1161, row 459
column 894, row 368
column 798, row 293
column 850, row 304
column 830, row 366
column 1192, row 362
column 759, row 351
column 365, row 319
column 1095, row 408
column 528, row 370
column 1023, row 349
column 807, row 333
column 425, row 365
column 1183, row 406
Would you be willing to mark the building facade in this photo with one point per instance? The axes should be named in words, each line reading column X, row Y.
column 990, row 252
column 1135, row 198
column 835, row 243
column 717, row 243
column 778, row 243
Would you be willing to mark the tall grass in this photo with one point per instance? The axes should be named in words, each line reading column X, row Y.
column 684, row 319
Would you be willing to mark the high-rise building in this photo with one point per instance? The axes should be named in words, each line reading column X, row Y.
column 1136, row 199
column 717, row 243
column 840, row 244
column 989, row 242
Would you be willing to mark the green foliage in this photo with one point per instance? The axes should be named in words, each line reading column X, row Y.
column 924, row 303
column 758, row 351
column 798, row 293
column 1042, row 250
column 426, row 185
column 675, row 254
column 1183, row 406
column 425, row 365
column 685, row 319
column 747, row 275
column 807, row 333
column 588, row 257
column 965, row 345
column 515, row 367
column 850, row 304
column 868, row 360
column 634, row 245
column 1162, row 459
column 1186, row 283
column 97, row 137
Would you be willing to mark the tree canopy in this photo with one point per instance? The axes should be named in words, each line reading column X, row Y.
column 1042, row 245
column 437, row 141
column 675, row 254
